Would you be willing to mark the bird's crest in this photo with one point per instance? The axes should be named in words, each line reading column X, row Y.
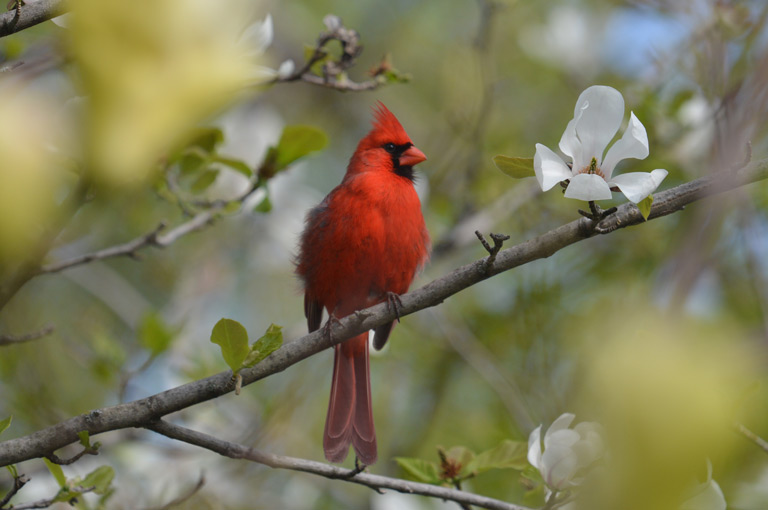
column 387, row 127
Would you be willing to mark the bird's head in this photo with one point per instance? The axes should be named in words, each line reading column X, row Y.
column 387, row 147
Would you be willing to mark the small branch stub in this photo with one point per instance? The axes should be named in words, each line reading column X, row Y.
column 498, row 242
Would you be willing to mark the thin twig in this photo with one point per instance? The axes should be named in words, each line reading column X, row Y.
column 128, row 249
column 334, row 71
column 184, row 497
column 66, row 462
column 45, row 503
column 18, row 482
column 143, row 412
column 28, row 337
column 376, row 482
column 744, row 431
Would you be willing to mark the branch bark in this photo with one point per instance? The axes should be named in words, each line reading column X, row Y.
column 146, row 411
column 31, row 15
column 375, row 482
column 28, row 337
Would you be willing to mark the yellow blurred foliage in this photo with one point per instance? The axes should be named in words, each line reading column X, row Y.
column 667, row 389
column 151, row 70
column 29, row 174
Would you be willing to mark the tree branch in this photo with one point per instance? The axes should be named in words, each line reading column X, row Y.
column 29, row 15
column 19, row 339
column 146, row 411
column 334, row 71
column 376, row 482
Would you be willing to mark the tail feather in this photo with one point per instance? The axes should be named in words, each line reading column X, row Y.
column 350, row 415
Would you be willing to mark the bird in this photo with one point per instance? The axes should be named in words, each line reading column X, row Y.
column 362, row 245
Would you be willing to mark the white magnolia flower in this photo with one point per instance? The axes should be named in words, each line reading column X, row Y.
column 567, row 452
column 707, row 496
column 596, row 119
column 258, row 36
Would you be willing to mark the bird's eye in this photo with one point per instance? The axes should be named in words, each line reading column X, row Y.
column 389, row 147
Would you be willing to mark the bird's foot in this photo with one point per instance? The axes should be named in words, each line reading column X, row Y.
column 394, row 304
column 359, row 468
column 328, row 327
column 596, row 213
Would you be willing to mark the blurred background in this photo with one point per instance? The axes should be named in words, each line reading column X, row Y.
column 657, row 331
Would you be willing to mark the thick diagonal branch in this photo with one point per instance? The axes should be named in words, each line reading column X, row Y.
column 29, row 15
column 144, row 412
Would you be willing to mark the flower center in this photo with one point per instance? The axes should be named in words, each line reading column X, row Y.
column 592, row 169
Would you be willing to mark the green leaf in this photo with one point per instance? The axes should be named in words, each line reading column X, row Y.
column 101, row 478
column 419, row 470
column 264, row 206
column 4, row 424
column 205, row 180
column 57, row 472
column 507, row 455
column 206, row 138
column 645, row 206
column 518, row 168
column 85, row 438
column 264, row 346
column 232, row 337
column 13, row 470
column 154, row 334
column 192, row 162
column 461, row 455
column 234, row 164
column 296, row 142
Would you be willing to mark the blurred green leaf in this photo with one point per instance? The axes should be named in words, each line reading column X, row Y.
column 264, row 206
column 4, row 424
column 101, row 478
column 264, row 346
column 85, row 438
column 192, row 162
column 207, row 138
column 295, row 142
column 645, row 206
column 507, row 455
column 419, row 470
column 461, row 456
column 235, row 164
column 13, row 470
column 154, row 334
column 57, row 472
column 518, row 168
column 204, row 181
column 232, row 337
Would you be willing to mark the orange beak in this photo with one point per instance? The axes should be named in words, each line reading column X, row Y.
column 412, row 156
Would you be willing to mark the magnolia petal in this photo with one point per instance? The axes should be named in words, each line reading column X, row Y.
column 638, row 185
column 571, row 146
column 588, row 187
column 709, row 496
column 534, row 448
column 259, row 35
column 549, row 167
column 598, row 115
column 633, row 144
column 558, row 466
column 563, row 437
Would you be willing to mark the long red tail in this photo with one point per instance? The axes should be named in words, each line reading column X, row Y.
column 350, row 416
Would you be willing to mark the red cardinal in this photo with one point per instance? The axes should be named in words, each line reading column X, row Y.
column 361, row 246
